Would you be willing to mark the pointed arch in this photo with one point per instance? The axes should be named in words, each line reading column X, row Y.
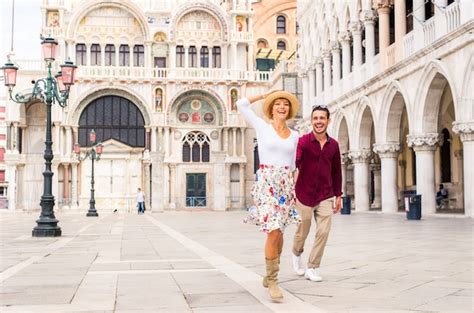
column 434, row 79
column 363, row 124
column 394, row 101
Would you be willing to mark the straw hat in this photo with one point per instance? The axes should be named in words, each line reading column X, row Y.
column 268, row 103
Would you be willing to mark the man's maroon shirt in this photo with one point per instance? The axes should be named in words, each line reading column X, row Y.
column 319, row 171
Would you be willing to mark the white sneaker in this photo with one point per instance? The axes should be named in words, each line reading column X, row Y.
column 297, row 266
column 313, row 275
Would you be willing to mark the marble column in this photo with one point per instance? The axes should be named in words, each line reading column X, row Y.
column 424, row 146
column 66, row 194
column 198, row 56
column 56, row 139
column 369, row 18
column 306, row 91
column 327, row 69
column 345, row 39
column 360, row 160
column 440, row 17
column 102, row 54
column 344, row 162
column 12, row 172
column 69, row 141
column 172, row 55
column 400, row 26
column 242, row 185
column 71, row 50
column 312, row 84
column 319, row 77
column 242, row 143
column 383, row 11
column 336, row 62
column 146, row 183
column 234, row 141
column 418, row 22
column 173, row 200
column 226, row 141
column 74, row 191
column 153, row 139
column 250, row 58
column 375, row 169
column 167, row 141
column 88, row 54
column 466, row 131
column 388, row 153
column 186, row 56
column 148, row 55
column 356, row 30
column 227, row 186
column 233, row 51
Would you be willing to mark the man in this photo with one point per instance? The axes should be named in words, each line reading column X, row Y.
column 141, row 201
column 319, row 180
column 440, row 195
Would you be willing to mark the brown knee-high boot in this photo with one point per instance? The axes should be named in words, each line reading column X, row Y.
column 265, row 279
column 272, row 277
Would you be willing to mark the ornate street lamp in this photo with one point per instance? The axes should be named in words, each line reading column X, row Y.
column 92, row 153
column 49, row 90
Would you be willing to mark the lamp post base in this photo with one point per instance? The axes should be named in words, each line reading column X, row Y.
column 92, row 213
column 46, row 228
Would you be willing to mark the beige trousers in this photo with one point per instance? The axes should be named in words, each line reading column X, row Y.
column 322, row 214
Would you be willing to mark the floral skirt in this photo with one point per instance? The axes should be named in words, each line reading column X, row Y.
column 274, row 197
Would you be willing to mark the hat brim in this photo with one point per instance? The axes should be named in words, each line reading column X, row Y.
column 294, row 103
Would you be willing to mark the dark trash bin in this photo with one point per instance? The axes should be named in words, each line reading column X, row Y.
column 413, row 207
column 346, row 205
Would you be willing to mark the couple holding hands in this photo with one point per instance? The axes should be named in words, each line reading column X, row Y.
column 298, row 178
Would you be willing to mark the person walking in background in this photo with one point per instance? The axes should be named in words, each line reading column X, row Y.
column 318, row 184
column 141, row 201
column 273, row 192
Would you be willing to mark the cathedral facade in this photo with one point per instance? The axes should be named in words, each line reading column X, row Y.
column 157, row 81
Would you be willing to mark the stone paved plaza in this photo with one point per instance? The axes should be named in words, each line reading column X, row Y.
column 212, row 262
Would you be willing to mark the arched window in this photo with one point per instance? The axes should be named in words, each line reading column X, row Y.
column 216, row 57
column 196, row 148
column 112, row 117
column 81, row 54
column 138, row 55
column 95, row 54
column 445, row 157
column 281, row 45
column 192, row 56
column 179, row 56
column 204, row 57
column 109, row 55
column 124, row 55
column 281, row 25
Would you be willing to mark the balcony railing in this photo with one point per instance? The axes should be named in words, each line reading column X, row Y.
column 408, row 44
column 142, row 73
column 242, row 36
column 429, row 31
column 54, row 32
column 453, row 16
column 391, row 54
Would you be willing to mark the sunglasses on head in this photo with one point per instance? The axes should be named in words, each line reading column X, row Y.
column 320, row 106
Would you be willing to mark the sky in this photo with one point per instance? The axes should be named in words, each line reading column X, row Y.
column 26, row 41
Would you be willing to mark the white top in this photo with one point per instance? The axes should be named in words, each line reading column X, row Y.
column 272, row 149
column 141, row 196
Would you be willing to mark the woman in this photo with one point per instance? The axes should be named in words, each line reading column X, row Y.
column 273, row 192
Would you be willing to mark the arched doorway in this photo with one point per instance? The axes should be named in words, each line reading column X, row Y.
column 120, row 126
